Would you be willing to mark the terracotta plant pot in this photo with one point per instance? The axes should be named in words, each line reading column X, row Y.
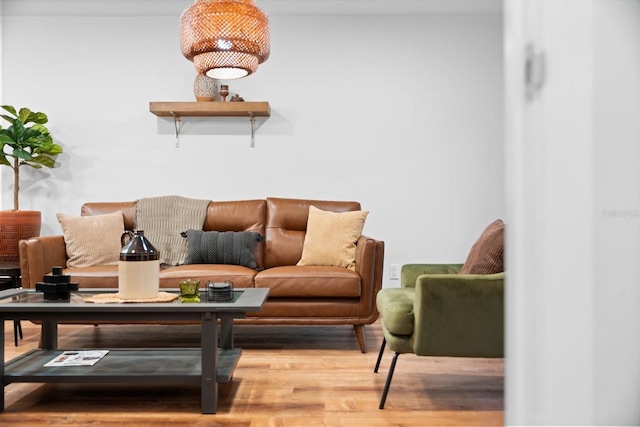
column 16, row 226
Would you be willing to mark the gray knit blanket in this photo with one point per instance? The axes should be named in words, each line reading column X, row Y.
column 163, row 218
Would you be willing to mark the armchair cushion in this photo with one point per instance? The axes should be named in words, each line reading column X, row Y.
column 331, row 238
column 92, row 240
column 396, row 308
column 487, row 253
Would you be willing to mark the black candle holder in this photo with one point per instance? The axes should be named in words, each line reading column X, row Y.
column 56, row 286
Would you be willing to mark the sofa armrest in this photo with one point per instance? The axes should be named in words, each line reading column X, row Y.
column 369, row 265
column 38, row 256
column 410, row 272
column 459, row 315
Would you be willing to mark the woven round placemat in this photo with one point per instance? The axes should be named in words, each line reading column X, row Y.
column 114, row 298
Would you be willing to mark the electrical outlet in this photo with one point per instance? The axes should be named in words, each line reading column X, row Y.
column 394, row 271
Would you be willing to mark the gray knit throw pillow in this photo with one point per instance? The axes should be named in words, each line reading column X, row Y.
column 222, row 247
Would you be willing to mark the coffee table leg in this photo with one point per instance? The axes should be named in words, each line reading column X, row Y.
column 226, row 331
column 49, row 335
column 2, row 364
column 209, row 361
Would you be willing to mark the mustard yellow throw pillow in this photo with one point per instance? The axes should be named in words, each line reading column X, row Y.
column 92, row 240
column 331, row 238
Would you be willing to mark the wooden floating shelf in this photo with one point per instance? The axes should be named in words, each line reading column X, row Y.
column 210, row 109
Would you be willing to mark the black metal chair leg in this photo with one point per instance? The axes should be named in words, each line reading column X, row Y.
column 388, row 383
column 17, row 331
column 384, row 343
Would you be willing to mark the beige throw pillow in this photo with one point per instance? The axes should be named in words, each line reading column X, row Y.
column 331, row 238
column 92, row 240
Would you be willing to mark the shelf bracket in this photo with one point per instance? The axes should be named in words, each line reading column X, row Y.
column 176, row 121
column 252, row 119
column 177, row 124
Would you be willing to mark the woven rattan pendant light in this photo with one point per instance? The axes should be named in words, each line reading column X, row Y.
column 225, row 39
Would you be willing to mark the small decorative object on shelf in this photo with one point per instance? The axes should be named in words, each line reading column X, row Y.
column 205, row 88
column 224, row 92
column 220, row 291
column 56, row 286
column 236, row 98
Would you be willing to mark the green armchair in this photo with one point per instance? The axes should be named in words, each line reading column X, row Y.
column 439, row 312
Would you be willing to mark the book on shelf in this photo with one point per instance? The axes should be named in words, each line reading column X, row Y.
column 77, row 358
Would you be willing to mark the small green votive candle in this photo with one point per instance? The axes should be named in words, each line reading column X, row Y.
column 190, row 290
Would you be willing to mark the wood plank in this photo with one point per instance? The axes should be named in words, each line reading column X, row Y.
column 207, row 109
column 286, row 376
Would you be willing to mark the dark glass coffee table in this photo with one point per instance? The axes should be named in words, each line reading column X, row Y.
column 209, row 365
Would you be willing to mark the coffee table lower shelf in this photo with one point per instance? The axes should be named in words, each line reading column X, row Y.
column 165, row 365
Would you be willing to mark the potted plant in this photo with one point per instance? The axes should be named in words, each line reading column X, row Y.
column 26, row 142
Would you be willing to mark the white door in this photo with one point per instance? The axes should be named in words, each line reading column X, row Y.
column 572, row 76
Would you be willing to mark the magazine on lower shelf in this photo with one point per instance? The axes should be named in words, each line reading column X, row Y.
column 77, row 358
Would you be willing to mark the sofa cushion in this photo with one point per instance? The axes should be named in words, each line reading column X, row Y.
column 97, row 276
column 487, row 253
column 396, row 309
column 222, row 247
column 309, row 281
column 92, row 240
column 331, row 238
column 106, row 276
column 239, row 215
column 286, row 225
column 242, row 277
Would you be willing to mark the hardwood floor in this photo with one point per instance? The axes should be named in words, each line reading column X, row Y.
column 287, row 376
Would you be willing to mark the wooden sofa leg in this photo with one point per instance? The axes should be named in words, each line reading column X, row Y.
column 360, row 334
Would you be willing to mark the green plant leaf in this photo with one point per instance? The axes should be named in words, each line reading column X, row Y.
column 11, row 134
column 4, row 161
column 21, row 154
column 56, row 149
column 10, row 109
column 40, row 118
column 7, row 118
column 24, row 114
column 32, row 132
column 43, row 160
column 18, row 128
column 5, row 139
column 52, row 150
column 41, row 128
column 33, row 142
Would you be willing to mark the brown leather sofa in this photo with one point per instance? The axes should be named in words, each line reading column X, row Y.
column 298, row 295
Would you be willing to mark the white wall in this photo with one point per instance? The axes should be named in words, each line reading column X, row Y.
column 617, row 225
column 573, row 207
column 401, row 113
column 1, row 32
